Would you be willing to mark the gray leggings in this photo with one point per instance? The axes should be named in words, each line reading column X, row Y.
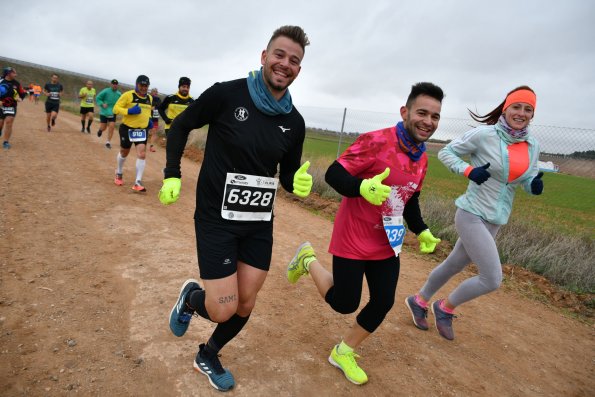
column 475, row 244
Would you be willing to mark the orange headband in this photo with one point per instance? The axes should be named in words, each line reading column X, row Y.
column 524, row 96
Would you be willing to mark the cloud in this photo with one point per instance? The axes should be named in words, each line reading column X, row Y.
column 364, row 55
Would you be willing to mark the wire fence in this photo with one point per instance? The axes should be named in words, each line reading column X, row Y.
column 571, row 150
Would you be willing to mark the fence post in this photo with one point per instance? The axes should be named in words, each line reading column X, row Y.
column 341, row 133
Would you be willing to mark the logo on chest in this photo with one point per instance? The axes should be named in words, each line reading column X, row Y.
column 241, row 114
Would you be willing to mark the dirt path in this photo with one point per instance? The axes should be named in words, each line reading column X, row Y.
column 89, row 272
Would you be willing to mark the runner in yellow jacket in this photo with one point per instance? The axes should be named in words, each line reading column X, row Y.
column 135, row 107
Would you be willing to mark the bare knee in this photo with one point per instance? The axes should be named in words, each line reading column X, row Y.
column 222, row 314
column 245, row 308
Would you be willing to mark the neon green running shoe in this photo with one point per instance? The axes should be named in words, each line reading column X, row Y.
column 296, row 267
column 346, row 363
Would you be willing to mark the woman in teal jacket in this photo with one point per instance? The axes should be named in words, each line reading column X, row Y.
column 502, row 155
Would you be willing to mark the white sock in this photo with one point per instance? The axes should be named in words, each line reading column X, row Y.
column 140, row 168
column 120, row 163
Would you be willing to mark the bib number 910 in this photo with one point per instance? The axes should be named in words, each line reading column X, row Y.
column 137, row 135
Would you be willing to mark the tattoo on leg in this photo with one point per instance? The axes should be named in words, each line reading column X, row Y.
column 227, row 299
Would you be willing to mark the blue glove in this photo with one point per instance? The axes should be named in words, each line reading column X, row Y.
column 480, row 174
column 3, row 89
column 135, row 109
column 150, row 124
column 537, row 184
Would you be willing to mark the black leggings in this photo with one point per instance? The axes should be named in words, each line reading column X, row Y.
column 345, row 295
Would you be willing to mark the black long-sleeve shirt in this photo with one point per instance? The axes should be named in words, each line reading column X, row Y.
column 241, row 139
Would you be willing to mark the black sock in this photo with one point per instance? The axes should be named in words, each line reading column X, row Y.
column 83, row 124
column 196, row 301
column 224, row 332
column 89, row 123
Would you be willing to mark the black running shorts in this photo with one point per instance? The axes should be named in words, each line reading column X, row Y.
column 85, row 110
column 221, row 245
column 52, row 106
column 125, row 140
column 11, row 113
column 105, row 119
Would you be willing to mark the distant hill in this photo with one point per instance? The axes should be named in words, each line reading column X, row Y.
column 28, row 72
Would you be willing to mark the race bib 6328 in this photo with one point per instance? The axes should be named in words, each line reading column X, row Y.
column 248, row 197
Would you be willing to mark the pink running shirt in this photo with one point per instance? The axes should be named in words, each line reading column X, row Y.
column 358, row 232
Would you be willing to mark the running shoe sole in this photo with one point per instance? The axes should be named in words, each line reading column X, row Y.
column 173, row 311
column 292, row 275
column 139, row 188
column 335, row 364
column 198, row 369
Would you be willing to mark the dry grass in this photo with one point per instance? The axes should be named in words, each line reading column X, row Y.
column 565, row 260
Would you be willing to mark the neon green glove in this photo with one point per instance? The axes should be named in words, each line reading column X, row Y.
column 427, row 242
column 302, row 181
column 373, row 190
column 170, row 191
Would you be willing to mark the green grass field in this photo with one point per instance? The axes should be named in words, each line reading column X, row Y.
column 567, row 204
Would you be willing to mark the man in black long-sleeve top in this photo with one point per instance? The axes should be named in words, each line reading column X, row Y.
column 253, row 129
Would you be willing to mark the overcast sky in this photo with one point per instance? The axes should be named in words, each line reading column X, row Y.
column 363, row 55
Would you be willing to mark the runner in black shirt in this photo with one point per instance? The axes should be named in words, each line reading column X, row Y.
column 11, row 91
column 253, row 130
column 53, row 90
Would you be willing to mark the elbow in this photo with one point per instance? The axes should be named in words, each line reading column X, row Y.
column 331, row 172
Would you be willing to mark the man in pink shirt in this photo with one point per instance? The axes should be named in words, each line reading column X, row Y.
column 380, row 176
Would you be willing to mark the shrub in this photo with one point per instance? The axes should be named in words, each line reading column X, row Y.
column 563, row 259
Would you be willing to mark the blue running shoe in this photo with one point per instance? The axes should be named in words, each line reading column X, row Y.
column 5, row 145
column 208, row 363
column 181, row 314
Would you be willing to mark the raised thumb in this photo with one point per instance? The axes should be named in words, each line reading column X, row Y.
column 384, row 174
column 539, row 175
column 304, row 168
column 485, row 166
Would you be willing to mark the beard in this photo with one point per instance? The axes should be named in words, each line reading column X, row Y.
column 269, row 79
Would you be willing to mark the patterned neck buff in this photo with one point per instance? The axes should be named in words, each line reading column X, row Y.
column 408, row 145
column 508, row 134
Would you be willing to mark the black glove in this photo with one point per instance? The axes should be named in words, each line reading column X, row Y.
column 537, row 184
column 480, row 174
